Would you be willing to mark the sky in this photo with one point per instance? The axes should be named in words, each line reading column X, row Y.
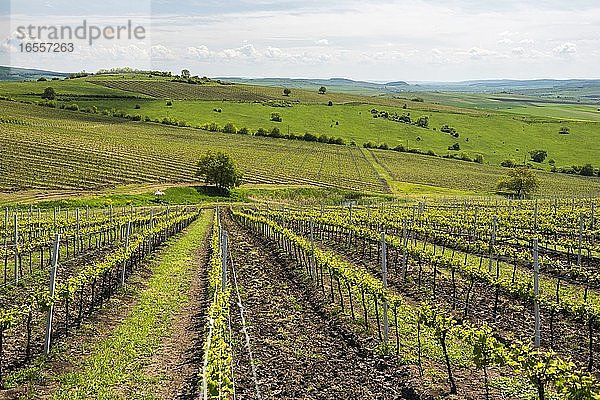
column 419, row 40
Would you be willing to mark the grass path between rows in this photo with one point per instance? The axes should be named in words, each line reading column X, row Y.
column 116, row 368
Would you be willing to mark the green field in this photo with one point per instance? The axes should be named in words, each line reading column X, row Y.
column 52, row 149
column 510, row 132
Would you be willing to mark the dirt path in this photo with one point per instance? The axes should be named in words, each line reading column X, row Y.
column 179, row 361
column 299, row 350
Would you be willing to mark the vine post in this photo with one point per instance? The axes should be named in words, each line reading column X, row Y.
column 52, row 288
column 126, row 246
column 16, row 237
column 536, row 292
column 384, row 279
column 313, row 265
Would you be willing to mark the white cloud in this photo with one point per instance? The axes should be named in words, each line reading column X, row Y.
column 505, row 41
column 322, row 42
column 565, row 50
column 201, row 52
column 161, row 52
column 245, row 52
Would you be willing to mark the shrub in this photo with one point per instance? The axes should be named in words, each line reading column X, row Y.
column 229, row 128
column 42, row 79
column 49, row 94
column 243, row 131
column 508, row 163
column 276, row 133
column 309, row 137
column 137, row 107
column 330, row 103
column 587, row 170
column 478, row 159
column 455, row 146
column 169, row 103
column 72, row 107
column 275, row 117
column 417, row 99
column 564, row 130
column 422, row 122
column 261, row 132
column 538, row 156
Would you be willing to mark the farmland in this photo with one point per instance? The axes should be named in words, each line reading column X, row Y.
column 497, row 129
column 333, row 271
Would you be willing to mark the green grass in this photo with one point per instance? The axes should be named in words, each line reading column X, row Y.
column 497, row 136
column 173, row 195
column 115, row 369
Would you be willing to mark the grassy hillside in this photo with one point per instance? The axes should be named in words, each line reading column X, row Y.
column 44, row 148
column 96, row 151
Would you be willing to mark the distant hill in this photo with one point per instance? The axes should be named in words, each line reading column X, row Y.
column 339, row 85
column 537, row 87
column 18, row 74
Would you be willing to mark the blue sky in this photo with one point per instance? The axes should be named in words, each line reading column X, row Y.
column 431, row 40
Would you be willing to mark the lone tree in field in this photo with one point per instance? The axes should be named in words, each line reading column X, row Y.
column 185, row 74
column 538, row 156
column 49, row 94
column 521, row 181
column 322, row 90
column 219, row 169
column 287, row 91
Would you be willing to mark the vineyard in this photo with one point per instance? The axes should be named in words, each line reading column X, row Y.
column 185, row 91
column 60, row 267
column 415, row 300
column 48, row 149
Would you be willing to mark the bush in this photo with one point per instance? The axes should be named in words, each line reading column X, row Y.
column 49, row 94
column 417, row 99
column 72, row 107
column 508, row 163
column 309, row 137
column 261, row 132
column 330, row 103
column 564, row 130
column 287, row 91
column 42, row 79
column 587, row 170
column 478, row 159
column 538, row 156
column 422, row 122
column 169, row 103
column 229, row 128
column 137, row 107
column 275, row 117
column 383, row 146
column 454, row 147
column 243, row 131
column 276, row 133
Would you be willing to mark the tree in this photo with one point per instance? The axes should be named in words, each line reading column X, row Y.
column 422, row 122
column 521, row 181
column 185, row 74
column 49, row 94
column 287, row 91
column 587, row 170
column 538, row 156
column 322, row 90
column 219, row 169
